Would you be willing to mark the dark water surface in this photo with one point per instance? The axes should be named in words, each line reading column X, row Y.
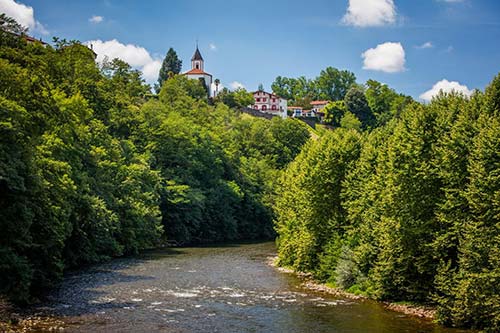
column 217, row 289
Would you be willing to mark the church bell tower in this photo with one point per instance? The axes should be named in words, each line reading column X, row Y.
column 197, row 60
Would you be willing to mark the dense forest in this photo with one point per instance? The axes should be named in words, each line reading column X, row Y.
column 400, row 201
column 406, row 211
column 92, row 165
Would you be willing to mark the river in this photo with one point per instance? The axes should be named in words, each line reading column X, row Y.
column 211, row 289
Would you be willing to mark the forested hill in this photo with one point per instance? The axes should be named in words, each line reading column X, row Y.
column 409, row 211
column 93, row 166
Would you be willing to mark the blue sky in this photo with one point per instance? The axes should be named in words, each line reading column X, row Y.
column 410, row 45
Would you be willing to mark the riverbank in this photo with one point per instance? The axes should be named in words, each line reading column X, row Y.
column 13, row 319
column 420, row 311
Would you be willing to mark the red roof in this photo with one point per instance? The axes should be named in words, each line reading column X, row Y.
column 265, row 92
column 319, row 102
column 33, row 40
column 197, row 71
column 295, row 107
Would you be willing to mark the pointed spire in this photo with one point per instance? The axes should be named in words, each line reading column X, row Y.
column 197, row 54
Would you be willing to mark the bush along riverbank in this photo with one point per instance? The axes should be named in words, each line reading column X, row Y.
column 424, row 311
column 406, row 212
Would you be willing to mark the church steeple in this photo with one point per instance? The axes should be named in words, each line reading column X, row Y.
column 197, row 59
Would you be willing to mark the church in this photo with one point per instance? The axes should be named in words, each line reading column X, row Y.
column 197, row 71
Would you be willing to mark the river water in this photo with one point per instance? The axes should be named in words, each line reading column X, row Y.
column 215, row 289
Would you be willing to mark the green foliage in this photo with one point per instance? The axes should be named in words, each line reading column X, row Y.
column 180, row 90
column 309, row 214
column 171, row 65
column 384, row 102
column 350, row 121
column 331, row 84
column 90, row 169
column 357, row 104
column 239, row 98
column 334, row 112
column 411, row 213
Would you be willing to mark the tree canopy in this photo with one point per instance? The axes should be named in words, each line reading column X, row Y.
column 92, row 166
column 407, row 211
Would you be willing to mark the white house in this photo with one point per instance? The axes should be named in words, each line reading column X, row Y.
column 198, row 72
column 296, row 111
column 319, row 105
column 270, row 103
column 315, row 111
column 317, row 108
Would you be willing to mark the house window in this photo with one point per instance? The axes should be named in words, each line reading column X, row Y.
column 264, row 99
column 197, row 66
column 274, row 100
column 264, row 107
column 256, row 107
column 257, row 99
column 273, row 107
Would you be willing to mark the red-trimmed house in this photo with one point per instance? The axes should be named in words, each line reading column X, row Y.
column 269, row 103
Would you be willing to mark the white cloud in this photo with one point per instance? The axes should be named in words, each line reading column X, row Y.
column 236, row 85
column 151, row 70
column 445, row 86
column 388, row 57
column 24, row 15
column 137, row 56
column 370, row 13
column 426, row 45
column 452, row 1
column 212, row 46
column 96, row 19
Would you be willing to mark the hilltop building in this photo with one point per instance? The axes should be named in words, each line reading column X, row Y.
column 318, row 106
column 197, row 71
column 316, row 110
column 270, row 103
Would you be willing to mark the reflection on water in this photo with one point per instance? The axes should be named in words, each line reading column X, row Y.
column 216, row 289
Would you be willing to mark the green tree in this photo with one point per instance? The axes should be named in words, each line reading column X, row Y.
column 171, row 63
column 334, row 112
column 356, row 103
column 239, row 98
column 310, row 219
column 10, row 31
column 384, row 102
column 333, row 84
column 350, row 121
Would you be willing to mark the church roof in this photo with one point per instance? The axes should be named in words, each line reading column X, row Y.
column 197, row 71
column 197, row 55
